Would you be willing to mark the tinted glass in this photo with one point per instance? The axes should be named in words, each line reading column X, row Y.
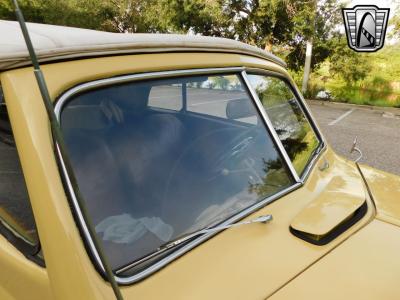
column 15, row 209
column 166, row 96
column 151, row 175
column 288, row 119
column 210, row 97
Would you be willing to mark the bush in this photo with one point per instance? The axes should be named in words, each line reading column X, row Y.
column 375, row 88
column 297, row 76
column 313, row 89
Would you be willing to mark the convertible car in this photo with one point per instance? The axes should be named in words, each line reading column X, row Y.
column 201, row 169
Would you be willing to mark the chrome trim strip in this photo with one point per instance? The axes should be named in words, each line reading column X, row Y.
column 270, row 127
column 322, row 147
column 264, row 219
column 312, row 162
column 297, row 93
column 78, row 210
column 158, row 75
column 16, row 233
column 306, row 110
column 161, row 263
column 140, row 76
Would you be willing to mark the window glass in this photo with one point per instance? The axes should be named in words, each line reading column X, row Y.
column 166, row 96
column 211, row 96
column 288, row 119
column 15, row 209
column 152, row 176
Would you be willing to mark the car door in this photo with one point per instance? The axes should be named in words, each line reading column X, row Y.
column 193, row 165
column 23, row 274
column 247, row 262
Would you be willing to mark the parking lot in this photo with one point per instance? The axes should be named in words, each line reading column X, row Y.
column 377, row 130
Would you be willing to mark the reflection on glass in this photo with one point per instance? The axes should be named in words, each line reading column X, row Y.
column 150, row 173
column 289, row 121
column 15, row 208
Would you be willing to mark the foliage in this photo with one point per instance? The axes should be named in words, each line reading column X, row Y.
column 134, row 16
column 275, row 176
column 219, row 82
column 78, row 13
column 380, row 86
column 349, row 65
column 280, row 26
column 206, row 17
column 284, row 26
column 297, row 76
column 325, row 19
column 396, row 22
column 359, row 95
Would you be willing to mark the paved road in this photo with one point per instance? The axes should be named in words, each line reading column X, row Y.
column 378, row 133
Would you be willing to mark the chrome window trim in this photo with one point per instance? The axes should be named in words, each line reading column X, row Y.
column 240, row 71
column 133, row 77
column 323, row 145
column 270, row 127
column 306, row 110
column 16, row 233
column 78, row 211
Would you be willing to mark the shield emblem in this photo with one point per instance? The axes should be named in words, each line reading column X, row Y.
column 365, row 27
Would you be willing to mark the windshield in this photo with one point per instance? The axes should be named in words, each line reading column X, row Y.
column 156, row 160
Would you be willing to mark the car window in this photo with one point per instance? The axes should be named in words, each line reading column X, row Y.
column 15, row 210
column 166, row 96
column 151, row 176
column 211, row 96
column 216, row 97
column 288, row 119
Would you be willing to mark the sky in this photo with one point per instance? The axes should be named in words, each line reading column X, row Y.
column 380, row 3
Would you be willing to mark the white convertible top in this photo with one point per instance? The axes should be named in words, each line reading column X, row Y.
column 59, row 43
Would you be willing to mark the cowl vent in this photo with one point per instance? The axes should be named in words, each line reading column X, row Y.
column 327, row 217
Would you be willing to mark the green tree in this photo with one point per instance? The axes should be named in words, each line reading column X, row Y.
column 206, row 17
column 327, row 17
column 133, row 16
column 280, row 26
column 78, row 13
column 31, row 8
column 347, row 64
column 396, row 23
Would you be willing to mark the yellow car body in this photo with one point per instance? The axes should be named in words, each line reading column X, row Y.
column 248, row 262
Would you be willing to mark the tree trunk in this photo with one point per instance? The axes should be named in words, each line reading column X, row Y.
column 268, row 46
column 307, row 65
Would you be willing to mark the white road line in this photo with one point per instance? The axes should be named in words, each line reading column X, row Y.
column 341, row 117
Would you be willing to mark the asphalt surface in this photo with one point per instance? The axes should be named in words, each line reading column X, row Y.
column 377, row 132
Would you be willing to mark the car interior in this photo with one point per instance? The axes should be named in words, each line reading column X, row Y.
column 174, row 170
column 15, row 210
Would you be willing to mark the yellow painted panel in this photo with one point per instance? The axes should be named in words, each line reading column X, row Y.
column 19, row 277
column 385, row 189
column 248, row 262
column 70, row 272
column 329, row 210
column 252, row 262
column 64, row 75
column 365, row 267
